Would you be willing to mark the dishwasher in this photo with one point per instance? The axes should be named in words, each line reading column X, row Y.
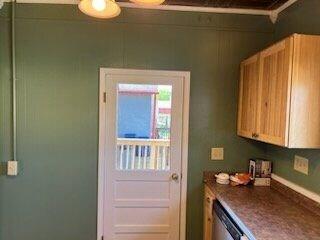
column 224, row 227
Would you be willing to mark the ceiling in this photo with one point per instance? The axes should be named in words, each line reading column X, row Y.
column 242, row 4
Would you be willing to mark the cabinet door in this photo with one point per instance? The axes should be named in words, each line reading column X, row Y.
column 274, row 92
column 248, row 97
column 207, row 214
column 305, row 94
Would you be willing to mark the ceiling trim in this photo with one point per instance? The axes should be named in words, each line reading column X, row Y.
column 285, row 5
column 197, row 9
column 273, row 14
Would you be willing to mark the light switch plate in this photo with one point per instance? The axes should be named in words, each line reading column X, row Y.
column 217, row 154
column 301, row 164
column 12, row 168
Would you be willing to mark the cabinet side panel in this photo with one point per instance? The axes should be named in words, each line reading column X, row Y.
column 305, row 98
column 207, row 214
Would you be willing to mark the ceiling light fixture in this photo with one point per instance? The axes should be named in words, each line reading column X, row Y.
column 148, row 2
column 99, row 5
column 100, row 8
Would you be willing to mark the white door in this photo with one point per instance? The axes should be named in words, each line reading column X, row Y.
column 143, row 129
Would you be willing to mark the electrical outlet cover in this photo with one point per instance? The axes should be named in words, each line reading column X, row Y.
column 12, row 168
column 217, row 154
column 301, row 164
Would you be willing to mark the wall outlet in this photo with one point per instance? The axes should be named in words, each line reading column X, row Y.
column 12, row 168
column 216, row 153
column 301, row 164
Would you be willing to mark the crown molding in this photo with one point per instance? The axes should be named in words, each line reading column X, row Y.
column 46, row 1
column 273, row 14
column 196, row 9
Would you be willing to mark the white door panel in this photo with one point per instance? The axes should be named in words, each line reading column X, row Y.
column 142, row 190
column 142, row 199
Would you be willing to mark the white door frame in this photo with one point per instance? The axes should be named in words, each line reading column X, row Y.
column 102, row 127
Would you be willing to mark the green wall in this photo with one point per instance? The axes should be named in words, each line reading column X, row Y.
column 302, row 17
column 59, row 52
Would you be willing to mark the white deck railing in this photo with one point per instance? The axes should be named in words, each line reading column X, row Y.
column 143, row 154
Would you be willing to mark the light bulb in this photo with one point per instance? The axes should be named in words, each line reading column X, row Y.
column 99, row 5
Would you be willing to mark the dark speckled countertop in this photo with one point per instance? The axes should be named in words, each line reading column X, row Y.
column 265, row 214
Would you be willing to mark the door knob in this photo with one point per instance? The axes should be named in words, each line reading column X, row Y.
column 175, row 177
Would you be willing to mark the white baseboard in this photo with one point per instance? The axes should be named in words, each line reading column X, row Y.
column 309, row 194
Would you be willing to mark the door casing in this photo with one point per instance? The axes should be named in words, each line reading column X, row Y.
column 104, row 72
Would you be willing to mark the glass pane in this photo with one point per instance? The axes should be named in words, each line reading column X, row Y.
column 143, row 127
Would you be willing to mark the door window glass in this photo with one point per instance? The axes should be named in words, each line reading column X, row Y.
column 143, row 127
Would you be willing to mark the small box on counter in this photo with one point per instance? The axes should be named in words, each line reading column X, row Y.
column 260, row 170
column 262, row 181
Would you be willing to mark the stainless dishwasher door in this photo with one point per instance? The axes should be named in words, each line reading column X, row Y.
column 224, row 228
column 219, row 230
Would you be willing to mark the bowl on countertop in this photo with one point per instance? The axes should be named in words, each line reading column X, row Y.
column 223, row 178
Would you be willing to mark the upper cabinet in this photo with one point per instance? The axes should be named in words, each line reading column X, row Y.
column 279, row 94
column 248, row 97
column 274, row 83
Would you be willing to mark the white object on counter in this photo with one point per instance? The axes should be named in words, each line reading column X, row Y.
column 222, row 178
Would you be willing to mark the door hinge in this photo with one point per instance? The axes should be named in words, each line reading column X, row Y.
column 104, row 100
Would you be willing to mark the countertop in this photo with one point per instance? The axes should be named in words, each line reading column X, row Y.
column 265, row 214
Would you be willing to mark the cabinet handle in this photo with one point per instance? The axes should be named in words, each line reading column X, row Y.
column 209, row 219
column 255, row 135
column 208, row 200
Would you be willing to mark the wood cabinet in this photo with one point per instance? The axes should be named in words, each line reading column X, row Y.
column 274, row 84
column 279, row 94
column 248, row 97
column 207, row 213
